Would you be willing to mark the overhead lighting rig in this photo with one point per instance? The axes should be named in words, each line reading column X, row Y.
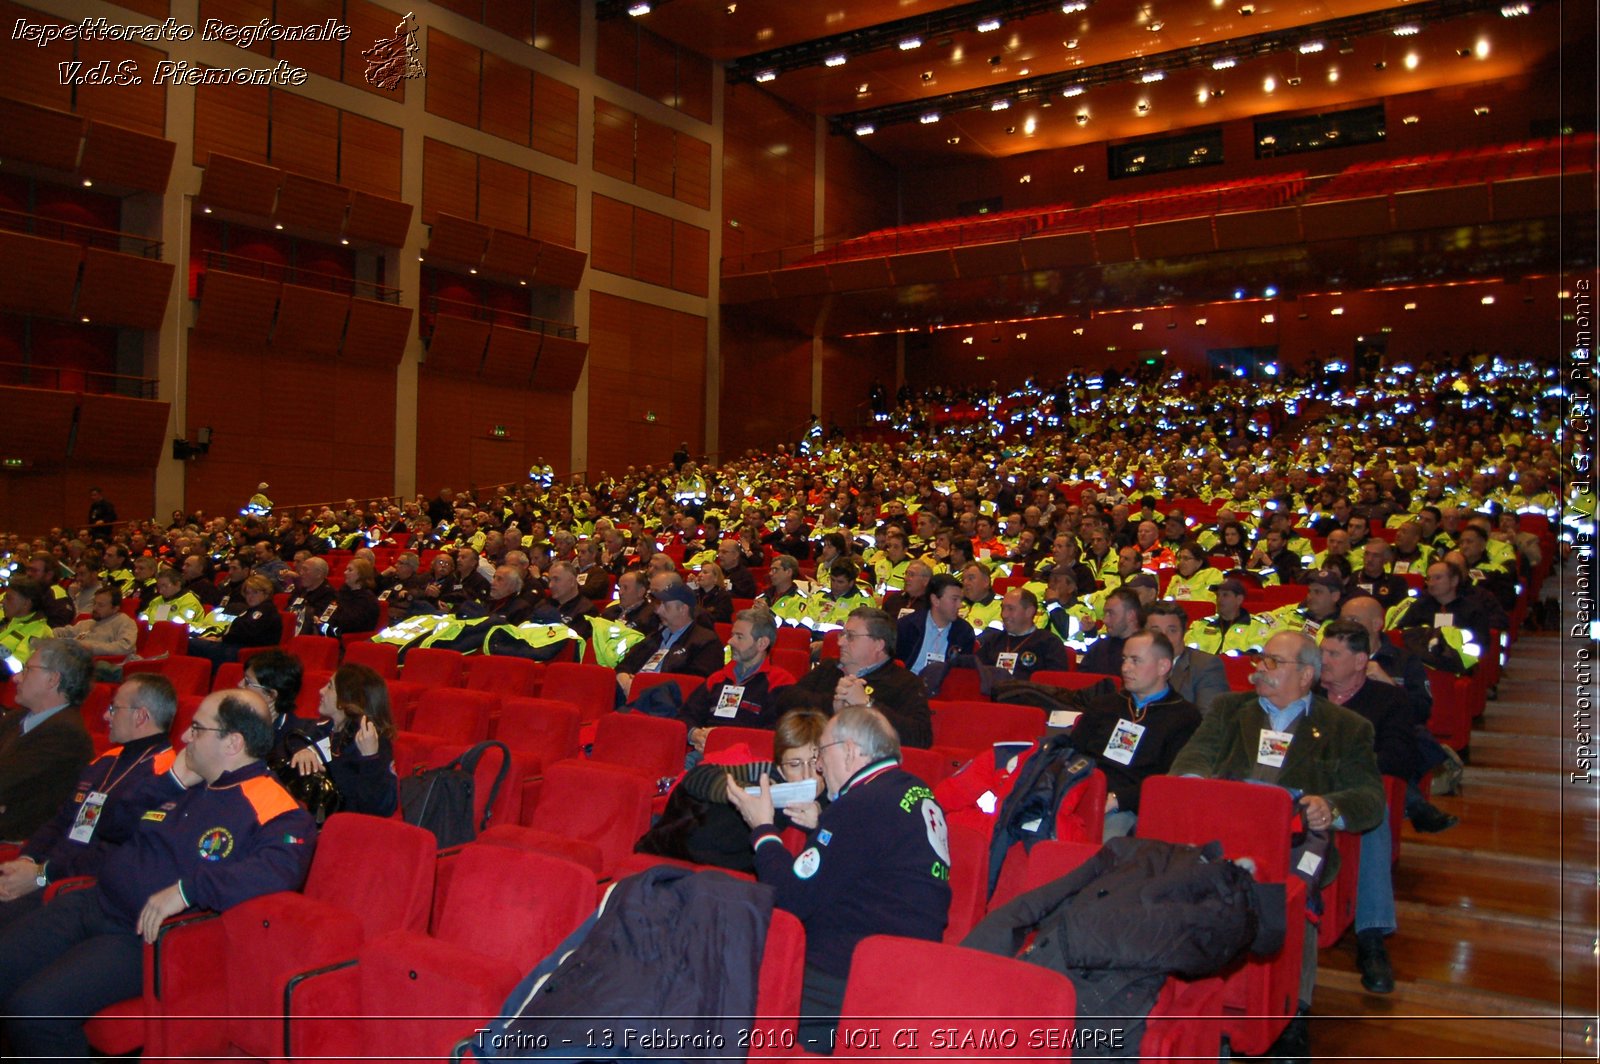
column 1218, row 55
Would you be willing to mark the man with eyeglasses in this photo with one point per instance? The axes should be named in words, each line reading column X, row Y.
column 878, row 861
column 1322, row 753
column 43, row 745
column 214, row 831
column 865, row 674
column 72, row 843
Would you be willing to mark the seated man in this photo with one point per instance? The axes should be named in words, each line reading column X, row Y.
column 107, row 630
column 741, row 693
column 932, row 639
column 877, row 863
column 313, row 600
column 1321, row 605
column 782, row 596
column 633, row 607
column 678, row 646
column 71, row 843
column 1019, row 646
column 912, row 598
column 1198, row 677
column 1345, row 653
column 43, row 745
column 1124, row 616
column 1231, row 630
column 1322, row 753
column 866, row 674
column 1135, row 733
column 1375, row 579
column 981, row 607
column 236, row 837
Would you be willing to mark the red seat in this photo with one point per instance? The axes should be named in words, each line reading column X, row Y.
column 454, row 715
column 1075, row 680
column 592, row 688
column 545, row 730
column 228, row 674
column 93, row 711
column 315, row 651
column 1456, row 700
column 938, row 996
column 1261, row 994
column 502, row 913
column 490, row 806
column 759, row 740
column 1239, row 669
column 369, row 876
column 646, row 680
column 969, row 880
column 974, row 726
column 589, row 814
column 796, row 662
column 505, row 676
column 165, row 638
column 654, row 747
column 189, row 676
column 793, row 638
column 961, row 685
column 929, row 766
column 381, row 658
column 428, row 667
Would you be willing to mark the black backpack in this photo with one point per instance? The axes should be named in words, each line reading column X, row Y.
column 441, row 799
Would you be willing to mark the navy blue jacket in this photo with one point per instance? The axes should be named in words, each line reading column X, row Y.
column 910, row 631
column 118, row 773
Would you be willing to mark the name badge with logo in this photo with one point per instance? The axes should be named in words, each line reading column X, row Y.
column 935, row 657
column 1124, row 742
column 1006, row 660
column 728, row 701
column 1272, row 747
column 1402, row 568
column 88, row 816
column 654, row 664
column 1444, row 620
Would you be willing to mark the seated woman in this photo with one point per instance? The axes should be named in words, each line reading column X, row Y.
column 1195, row 580
column 260, row 625
column 356, row 608
column 353, row 743
column 276, row 675
column 715, row 599
column 699, row 825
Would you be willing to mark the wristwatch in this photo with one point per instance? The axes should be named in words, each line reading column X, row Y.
column 40, row 880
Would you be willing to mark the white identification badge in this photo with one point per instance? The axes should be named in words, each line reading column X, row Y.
column 325, row 749
column 1366, row 588
column 1444, row 620
column 903, row 613
column 1063, row 718
column 1309, row 863
column 1311, row 627
column 654, row 664
column 935, row 657
column 1124, row 742
column 1272, row 746
column 1402, row 568
column 88, row 816
column 1007, row 660
column 728, row 701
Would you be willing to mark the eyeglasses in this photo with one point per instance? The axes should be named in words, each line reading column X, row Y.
column 1271, row 662
column 252, row 685
column 197, row 728
column 824, row 746
column 114, row 709
column 795, row 764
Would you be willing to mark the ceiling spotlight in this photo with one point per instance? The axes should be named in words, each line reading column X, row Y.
column 1072, row 90
column 930, row 118
column 1410, row 120
column 910, row 43
column 866, row 130
column 1025, row 179
column 999, row 105
column 1268, row 319
column 1246, row 10
column 1410, row 306
column 1224, row 64
column 1380, row 65
column 766, row 76
column 1270, row 84
column 1080, row 168
column 731, row 8
column 277, row 225
column 205, row 210
column 1464, row 53
column 1312, row 47
column 523, row 283
column 1270, row 291
column 1029, row 126
column 345, row 241
column 1152, row 76
column 1412, row 59
column 1200, row 321
column 1143, row 107
column 1481, row 49
column 1082, row 117
column 1155, row 27
column 1336, row 311
column 1481, row 110
column 927, row 75
column 1071, row 45
column 1072, row 7
column 1333, row 74
column 87, row 183
column 952, row 140
column 472, row 270
column 1292, row 82
column 834, row 61
column 1203, row 95
column 1010, row 130
column 1487, row 301
column 861, row 89
column 1513, row 10
column 988, row 25
column 640, row 7
column 1410, row 29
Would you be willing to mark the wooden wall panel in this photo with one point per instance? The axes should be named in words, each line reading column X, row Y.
column 860, row 189
column 691, row 171
column 35, row 424
column 557, row 25
column 514, row 18
column 455, row 422
column 769, row 193
column 508, row 96
column 848, row 370
column 643, row 360
column 31, row 72
column 320, row 57
column 305, row 136
column 694, row 85
column 141, row 107
column 658, row 68
column 502, row 195
column 763, row 360
column 117, row 430
column 369, row 155
column 652, row 247
column 555, row 118
column 42, row 274
column 614, row 134
column 653, row 156
column 449, row 180
column 611, row 236
column 369, row 22
column 260, row 418
column 691, row 249
column 453, row 84
column 616, row 51
column 230, row 120
column 552, row 210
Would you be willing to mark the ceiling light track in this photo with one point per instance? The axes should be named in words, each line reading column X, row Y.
column 983, row 17
column 1200, row 57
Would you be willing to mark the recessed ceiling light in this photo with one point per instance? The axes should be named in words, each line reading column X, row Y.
column 1408, row 30
column 1072, row 90
column 999, row 105
column 1312, row 47
column 642, row 7
column 1412, row 59
column 1224, row 64
column 766, row 76
column 835, row 61
column 1151, row 76
column 929, row 118
column 1270, row 84
column 910, row 43
column 866, row 129
column 988, row 25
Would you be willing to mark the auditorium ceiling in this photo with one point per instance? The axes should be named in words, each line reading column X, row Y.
column 1004, row 78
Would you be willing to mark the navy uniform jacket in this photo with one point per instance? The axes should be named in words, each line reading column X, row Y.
column 757, row 707
column 368, row 784
column 896, row 692
column 878, row 863
column 1039, row 649
column 698, row 652
column 910, row 632
column 117, row 773
column 222, row 843
column 1169, row 723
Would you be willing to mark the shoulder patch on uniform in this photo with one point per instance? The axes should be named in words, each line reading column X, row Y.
column 165, row 760
column 113, row 753
column 806, row 865
column 267, row 797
